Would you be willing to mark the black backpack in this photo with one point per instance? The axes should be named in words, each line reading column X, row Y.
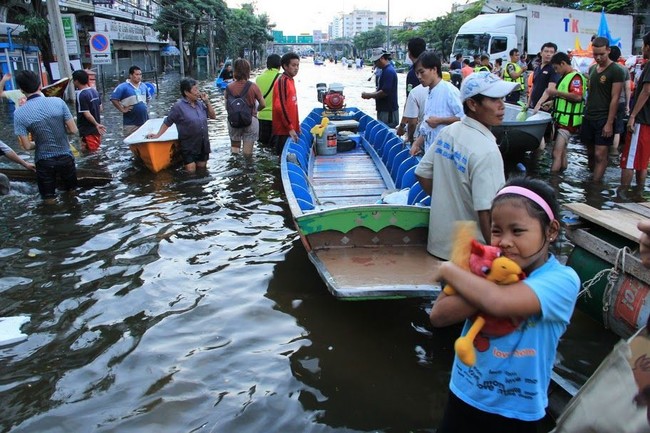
column 239, row 112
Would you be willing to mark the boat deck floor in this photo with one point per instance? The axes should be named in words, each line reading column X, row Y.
column 393, row 269
column 347, row 179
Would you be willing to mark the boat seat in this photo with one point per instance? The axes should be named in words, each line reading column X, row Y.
column 300, row 156
column 386, row 148
column 396, row 161
column 407, row 180
column 301, row 193
column 298, row 179
column 363, row 122
column 392, row 147
column 292, row 166
column 426, row 201
column 402, row 179
column 371, row 130
column 416, row 193
column 305, row 205
column 380, row 139
column 301, row 148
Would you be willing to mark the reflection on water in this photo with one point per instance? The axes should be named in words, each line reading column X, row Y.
column 185, row 302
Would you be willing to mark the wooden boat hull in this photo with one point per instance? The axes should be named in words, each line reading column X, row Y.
column 156, row 154
column 361, row 249
column 605, row 256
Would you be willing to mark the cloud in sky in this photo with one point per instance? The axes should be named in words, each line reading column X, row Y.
column 304, row 16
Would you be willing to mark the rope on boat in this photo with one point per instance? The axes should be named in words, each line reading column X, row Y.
column 612, row 277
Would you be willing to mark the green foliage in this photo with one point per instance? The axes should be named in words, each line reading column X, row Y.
column 374, row 38
column 36, row 28
column 623, row 7
column 233, row 30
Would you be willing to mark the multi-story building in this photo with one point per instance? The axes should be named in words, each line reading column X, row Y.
column 346, row 26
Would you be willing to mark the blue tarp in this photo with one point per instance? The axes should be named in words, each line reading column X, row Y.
column 170, row 50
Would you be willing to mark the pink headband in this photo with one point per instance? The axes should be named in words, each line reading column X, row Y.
column 529, row 195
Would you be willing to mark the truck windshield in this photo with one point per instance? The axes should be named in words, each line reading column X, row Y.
column 469, row 45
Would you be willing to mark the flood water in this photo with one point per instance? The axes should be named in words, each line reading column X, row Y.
column 179, row 303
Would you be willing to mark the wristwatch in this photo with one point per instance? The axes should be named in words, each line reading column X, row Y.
column 402, row 125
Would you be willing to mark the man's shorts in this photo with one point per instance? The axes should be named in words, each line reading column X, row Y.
column 248, row 134
column 47, row 171
column 189, row 158
column 636, row 152
column 390, row 118
column 91, row 142
column 591, row 133
column 129, row 129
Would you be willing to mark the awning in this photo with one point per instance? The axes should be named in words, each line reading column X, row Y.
column 169, row 51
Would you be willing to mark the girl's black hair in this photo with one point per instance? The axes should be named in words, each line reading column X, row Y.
column 539, row 187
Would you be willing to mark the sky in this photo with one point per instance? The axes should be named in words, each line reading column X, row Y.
column 294, row 17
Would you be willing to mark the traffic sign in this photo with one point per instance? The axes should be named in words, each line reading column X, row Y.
column 100, row 43
column 101, row 59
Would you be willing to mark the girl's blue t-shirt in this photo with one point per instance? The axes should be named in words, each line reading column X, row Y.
column 511, row 378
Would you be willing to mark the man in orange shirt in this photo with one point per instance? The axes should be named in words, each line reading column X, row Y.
column 286, row 123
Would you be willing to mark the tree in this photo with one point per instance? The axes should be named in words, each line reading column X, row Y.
column 37, row 30
column 193, row 18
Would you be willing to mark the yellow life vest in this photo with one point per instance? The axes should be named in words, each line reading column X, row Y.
column 507, row 77
column 481, row 68
column 565, row 112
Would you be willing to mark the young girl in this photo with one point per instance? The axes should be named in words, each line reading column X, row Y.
column 506, row 390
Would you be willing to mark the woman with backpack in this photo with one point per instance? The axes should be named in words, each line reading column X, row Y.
column 243, row 99
column 190, row 114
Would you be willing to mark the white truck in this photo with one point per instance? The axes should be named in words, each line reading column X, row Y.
column 502, row 26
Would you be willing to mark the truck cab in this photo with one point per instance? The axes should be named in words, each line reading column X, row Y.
column 493, row 34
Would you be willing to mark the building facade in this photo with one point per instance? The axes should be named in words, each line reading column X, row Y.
column 347, row 26
column 127, row 23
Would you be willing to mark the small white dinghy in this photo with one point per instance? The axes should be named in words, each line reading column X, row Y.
column 10, row 329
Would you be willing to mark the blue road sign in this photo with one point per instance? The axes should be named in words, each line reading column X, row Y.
column 99, row 43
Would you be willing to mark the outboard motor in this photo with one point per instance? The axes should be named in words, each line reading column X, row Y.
column 321, row 89
column 334, row 99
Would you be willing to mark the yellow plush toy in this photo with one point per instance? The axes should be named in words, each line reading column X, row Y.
column 486, row 261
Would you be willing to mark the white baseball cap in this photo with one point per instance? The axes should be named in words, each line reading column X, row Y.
column 378, row 56
column 487, row 84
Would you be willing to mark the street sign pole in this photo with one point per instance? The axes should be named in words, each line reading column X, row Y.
column 60, row 46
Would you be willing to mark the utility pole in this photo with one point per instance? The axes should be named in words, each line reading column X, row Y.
column 388, row 27
column 211, row 60
column 58, row 43
column 182, row 48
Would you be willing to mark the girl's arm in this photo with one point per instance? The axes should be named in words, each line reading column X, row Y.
column 511, row 300
column 449, row 310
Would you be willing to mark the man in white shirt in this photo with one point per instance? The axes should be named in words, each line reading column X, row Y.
column 443, row 106
column 464, row 163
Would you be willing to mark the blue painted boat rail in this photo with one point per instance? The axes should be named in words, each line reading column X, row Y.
column 387, row 151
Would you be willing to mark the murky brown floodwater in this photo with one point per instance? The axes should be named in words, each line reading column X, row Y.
column 180, row 303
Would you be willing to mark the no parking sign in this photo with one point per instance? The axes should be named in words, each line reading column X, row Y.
column 100, row 48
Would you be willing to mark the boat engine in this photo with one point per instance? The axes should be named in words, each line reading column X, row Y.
column 332, row 97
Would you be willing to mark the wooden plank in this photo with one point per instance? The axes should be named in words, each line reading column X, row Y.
column 609, row 253
column 619, row 221
column 85, row 177
column 639, row 208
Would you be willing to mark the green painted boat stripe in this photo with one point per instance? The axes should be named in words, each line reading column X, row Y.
column 373, row 217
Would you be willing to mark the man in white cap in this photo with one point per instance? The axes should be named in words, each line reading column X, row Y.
column 464, row 163
column 386, row 94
